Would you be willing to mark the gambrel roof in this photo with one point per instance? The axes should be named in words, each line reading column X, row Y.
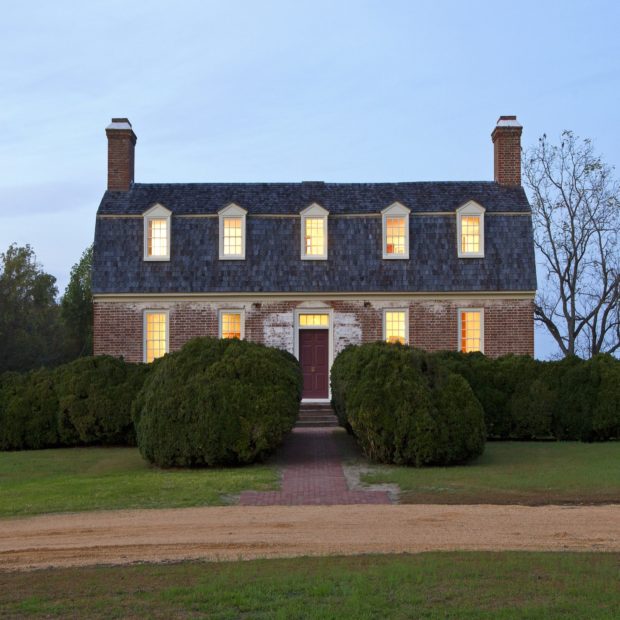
column 355, row 263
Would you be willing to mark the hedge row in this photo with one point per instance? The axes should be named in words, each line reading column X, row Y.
column 217, row 402
column 87, row 401
column 523, row 398
column 406, row 407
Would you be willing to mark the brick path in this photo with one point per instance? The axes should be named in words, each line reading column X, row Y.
column 312, row 474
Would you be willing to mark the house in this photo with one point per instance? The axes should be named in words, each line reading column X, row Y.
column 312, row 267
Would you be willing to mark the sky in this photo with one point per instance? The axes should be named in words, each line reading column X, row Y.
column 284, row 91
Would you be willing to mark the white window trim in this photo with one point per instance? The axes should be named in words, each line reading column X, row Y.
column 157, row 212
column 222, row 311
column 396, row 209
column 232, row 210
column 470, row 208
column 460, row 329
column 314, row 211
column 144, row 315
column 406, row 311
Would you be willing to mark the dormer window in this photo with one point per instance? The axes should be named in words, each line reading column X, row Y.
column 395, row 231
column 314, row 233
column 157, row 233
column 470, row 230
column 232, row 233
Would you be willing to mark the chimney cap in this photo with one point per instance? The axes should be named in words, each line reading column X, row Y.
column 508, row 121
column 120, row 123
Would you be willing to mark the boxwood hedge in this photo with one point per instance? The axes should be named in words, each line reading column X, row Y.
column 406, row 408
column 87, row 401
column 523, row 399
column 217, row 402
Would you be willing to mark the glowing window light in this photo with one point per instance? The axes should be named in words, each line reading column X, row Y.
column 395, row 235
column 155, row 335
column 232, row 236
column 395, row 325
column 313, row 320
column 314, row 236
column 231, row 325
column 470, row 234
column 471, row 331
column 157, row 241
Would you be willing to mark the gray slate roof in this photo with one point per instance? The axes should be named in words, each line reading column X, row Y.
column 273, row 263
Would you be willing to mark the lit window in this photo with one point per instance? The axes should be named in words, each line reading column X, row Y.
column 155, row 335
column 470, row 234
column 313, row 320
column 232, row 233
column 395, row 235
column 395, row 326
column 231, row 324
column 157, row 234
column 470, row 227
column 470, row 331
column 395, row 231
column 314, row 233
column 157, row 238
column 232, row 236
column 314, row 237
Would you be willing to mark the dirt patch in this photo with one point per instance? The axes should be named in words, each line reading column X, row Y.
column 531, row 498
column 239, row 532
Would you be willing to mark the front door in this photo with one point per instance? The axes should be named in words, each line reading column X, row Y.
column 314, row 360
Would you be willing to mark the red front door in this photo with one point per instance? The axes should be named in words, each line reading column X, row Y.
column 314, row 360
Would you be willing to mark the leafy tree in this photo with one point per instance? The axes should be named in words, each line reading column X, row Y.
column 29, row 316
column 77, row 308
column 576, row 211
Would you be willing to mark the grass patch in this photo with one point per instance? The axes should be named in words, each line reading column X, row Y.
column 515, row 472
column 76, row 479
column 434, row 585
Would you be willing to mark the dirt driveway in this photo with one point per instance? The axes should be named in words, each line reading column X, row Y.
column 240, row 532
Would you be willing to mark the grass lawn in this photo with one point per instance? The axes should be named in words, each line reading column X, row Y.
column 515, row 472
column 432, row 585
column 72, row 479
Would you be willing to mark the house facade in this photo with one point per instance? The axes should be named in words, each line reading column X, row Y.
column 312, row 267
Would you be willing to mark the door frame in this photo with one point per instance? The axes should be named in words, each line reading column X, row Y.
column 330, row 343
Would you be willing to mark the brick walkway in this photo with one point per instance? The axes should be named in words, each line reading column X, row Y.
column 312, row 474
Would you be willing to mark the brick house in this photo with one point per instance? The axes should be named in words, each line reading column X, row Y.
column 311, row 267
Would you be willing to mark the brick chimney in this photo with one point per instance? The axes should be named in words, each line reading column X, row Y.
column 121, row 147
column 507, row 150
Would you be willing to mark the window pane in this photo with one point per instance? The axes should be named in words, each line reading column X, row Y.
column 395, row 326
column 232, row 236
column 231, row 325
column 470, row 233
column 155, row 335
column 314, row 236
column 157, row 241
column 395, row 235
column 471, row 335
column 313, row 320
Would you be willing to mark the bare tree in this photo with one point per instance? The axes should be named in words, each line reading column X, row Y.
column 576, row 212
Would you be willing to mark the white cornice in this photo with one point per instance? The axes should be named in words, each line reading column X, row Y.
column 426, row 296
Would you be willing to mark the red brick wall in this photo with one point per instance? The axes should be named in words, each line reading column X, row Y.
column 433, row 325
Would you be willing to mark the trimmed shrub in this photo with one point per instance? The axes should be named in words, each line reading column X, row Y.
column 28, row 411
column 95, row 396
column 406, row 408
column 588, row 404
column 522, row 398
column 217, row 402
column 606, row 412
